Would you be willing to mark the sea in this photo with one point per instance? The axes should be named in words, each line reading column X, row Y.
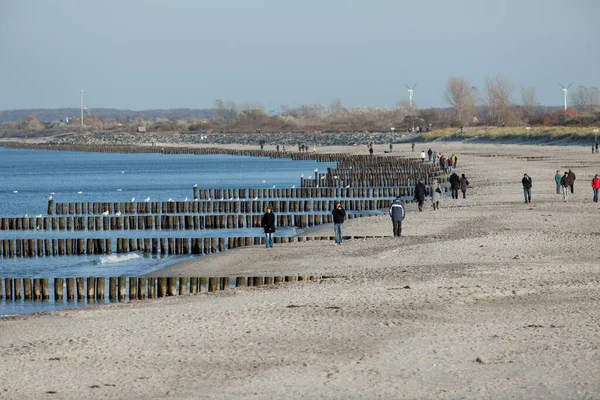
column 29, row 177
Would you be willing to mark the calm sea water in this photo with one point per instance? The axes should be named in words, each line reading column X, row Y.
column 28, row 177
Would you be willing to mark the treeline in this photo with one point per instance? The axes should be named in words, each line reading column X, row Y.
column 123, row 116
column 495, row 104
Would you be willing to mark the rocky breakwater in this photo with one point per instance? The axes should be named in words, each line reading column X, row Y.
column 290, row 140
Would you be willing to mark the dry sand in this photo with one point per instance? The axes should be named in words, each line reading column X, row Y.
column 488, row 278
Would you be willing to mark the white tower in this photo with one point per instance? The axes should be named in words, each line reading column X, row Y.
column 565, row 91
column 410, row 94
column 81, row 108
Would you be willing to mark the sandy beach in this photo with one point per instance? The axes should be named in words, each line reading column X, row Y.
column 486, row 298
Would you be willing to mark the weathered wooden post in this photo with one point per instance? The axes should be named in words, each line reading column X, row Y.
column 80, row 288
column 100, row 288
column 37, row 288
column 27, row 293
column 45, row 289
column 212, row 284
column 112, row 288
column 162, row 287
column 122, row 287
column 70, row 289
column 91, row 288
column 171, row 286
column 132, row 288
column 141, row 288
column 183, row 282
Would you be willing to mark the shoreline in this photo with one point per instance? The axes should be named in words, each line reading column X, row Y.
column 487, row 298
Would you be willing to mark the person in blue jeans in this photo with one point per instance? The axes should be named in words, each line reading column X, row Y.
column 339, row 214
column 268, row 224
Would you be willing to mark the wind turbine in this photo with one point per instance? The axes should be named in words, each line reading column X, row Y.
column 410, row 94
column 565, row 90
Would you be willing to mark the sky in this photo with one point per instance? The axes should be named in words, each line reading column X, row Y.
column 159, row 54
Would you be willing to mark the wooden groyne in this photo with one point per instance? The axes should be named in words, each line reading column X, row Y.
column 229, row 201
column 17, row 248
column 165, row 222
column 121, row 288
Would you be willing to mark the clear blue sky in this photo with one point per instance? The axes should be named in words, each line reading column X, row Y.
column 141, row 54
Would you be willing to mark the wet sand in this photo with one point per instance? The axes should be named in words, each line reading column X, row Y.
column 486, row 298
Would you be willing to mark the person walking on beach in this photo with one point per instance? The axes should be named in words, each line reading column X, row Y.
column 436, row 193
column 268, row 224
column 339, row 214
column 527, row 185
column 454, row 185
column 557, row 179
column 420, row 193
column 391, row 147
column 430, row 153
column 413, row 147
column 572, row 181
column 564, row 182
column 596, row 187
column 454, row 158
column 423, row 155
column 397, row 213
column 464, row 183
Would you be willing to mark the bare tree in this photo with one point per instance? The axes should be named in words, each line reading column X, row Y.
column 529, row 100
column 498, row 98
column 585, row 99
column 461, row 97
column 224, row 111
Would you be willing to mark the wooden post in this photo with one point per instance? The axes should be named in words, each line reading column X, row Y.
column 45, row 289
column 80, row 288
column 132, row 288
column 162, row 287
column 183, row 282
column 202, row 285
column 122, row 283
column 70, row 289
column 193, row 285
column 18, row 286
column 91, row 288
column 171, row 286
column 27, row 293
column 37, row 288
column 212, row 284
column 141, row 289
column 100, row 288
column 225, row 283
column 151, row 285
column 240, row 281
column 112, row 288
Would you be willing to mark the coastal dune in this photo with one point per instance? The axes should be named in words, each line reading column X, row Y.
column 486, row 298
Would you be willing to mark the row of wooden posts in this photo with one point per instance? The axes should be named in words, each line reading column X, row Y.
column 96, row 289
column 226, row 206
column 352, row 171
column 163, row 222
column 10, row 248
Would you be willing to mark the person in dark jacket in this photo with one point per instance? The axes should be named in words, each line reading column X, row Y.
column 454, row 185
column 268, row 224
column 397, row 213
column 572, row 181
column 339, row 214
column 527, row 185
column 420, row 193
column 430, row 153
column 464, row 183
column 564, row 182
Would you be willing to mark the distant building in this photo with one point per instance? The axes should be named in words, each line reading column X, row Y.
column 141, row 129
